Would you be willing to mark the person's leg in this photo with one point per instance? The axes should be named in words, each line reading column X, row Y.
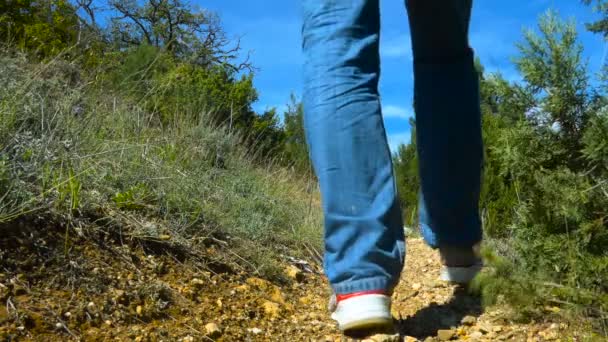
column 448, row 124
column 364, row 240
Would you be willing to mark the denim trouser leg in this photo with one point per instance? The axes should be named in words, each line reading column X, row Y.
column 364, row 242
column 448, row 121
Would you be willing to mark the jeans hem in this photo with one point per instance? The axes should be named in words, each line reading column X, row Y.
column 368, row 284
column 433, row 241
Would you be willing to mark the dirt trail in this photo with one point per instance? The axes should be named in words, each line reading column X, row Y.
column 105, row 292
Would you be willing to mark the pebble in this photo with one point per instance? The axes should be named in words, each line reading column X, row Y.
column 382, row 338
column 213, row 330
column 446, row 335
column 139, row 310
column 476, row 335
column 255, row 331
column 469, row 320
column 294, row 273
column 271, row 309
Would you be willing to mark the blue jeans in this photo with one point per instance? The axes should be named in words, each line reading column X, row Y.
column 364, row 239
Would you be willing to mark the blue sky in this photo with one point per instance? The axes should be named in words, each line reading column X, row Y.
column 271, row 31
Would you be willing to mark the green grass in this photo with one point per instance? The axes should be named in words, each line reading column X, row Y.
column 77, row 151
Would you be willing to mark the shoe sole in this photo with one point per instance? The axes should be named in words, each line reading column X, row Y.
column 369, row 324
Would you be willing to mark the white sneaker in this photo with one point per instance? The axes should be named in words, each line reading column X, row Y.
column 460, row 265
column 460, row 275
column 366, row 310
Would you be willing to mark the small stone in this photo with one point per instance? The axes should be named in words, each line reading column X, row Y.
column 197, row 283
column 476, row 335
column 21, row 328
column 213, row 330
column 382, row 338
column 306, row 300
column 108, row 322
column 58, row 325
column 554, row 326
column 259, row 283
column 416, row 286
column 255, row 331
column 243, row 288
column 410, row 339
column 91, row 306
column 271, row 309
column 469, row 320
column 219, row 303
column 484, row 328
column 188, row 339
column 139, row 310
column 277, row 296
column 446, row 335
column 67, row 314
column 294, row 273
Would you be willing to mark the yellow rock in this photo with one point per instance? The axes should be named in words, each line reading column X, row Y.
column 271, row 309
column 277, row 296
column 306, row 300
column 243, row 288
column 294, row 273
column 197, row 283
column 213, row 330
column 259, row 283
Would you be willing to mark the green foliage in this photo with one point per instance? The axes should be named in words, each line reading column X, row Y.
column 600, row 26
column 296, row 149
column 134, row 198
column 405, row 163
column 44, row 27
column 552, row 66
column 110, row 166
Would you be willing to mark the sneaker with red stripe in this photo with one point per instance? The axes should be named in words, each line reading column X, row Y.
column 367, row 310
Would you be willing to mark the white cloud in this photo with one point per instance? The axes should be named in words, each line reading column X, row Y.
column 391, row 111
column 397, row 139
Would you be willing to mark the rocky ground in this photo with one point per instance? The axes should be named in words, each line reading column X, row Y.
column 102, row 290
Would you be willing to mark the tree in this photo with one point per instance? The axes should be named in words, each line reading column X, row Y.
column 600, row 26
column 190, row 35
column 555, row 73
column 296, row 149
column 405, row 163
column 44, row 28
